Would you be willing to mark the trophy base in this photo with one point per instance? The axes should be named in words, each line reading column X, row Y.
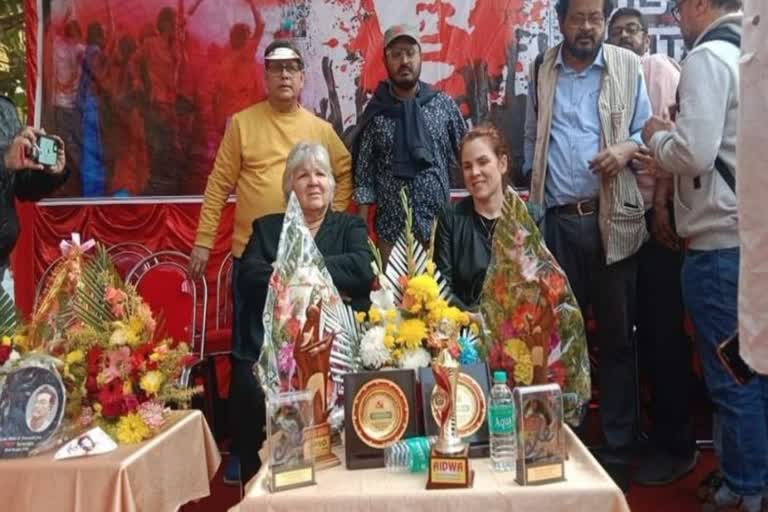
column 318, row 442
column 450, row 471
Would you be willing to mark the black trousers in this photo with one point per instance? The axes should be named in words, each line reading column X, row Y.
column 575, row 242
column 248, row 410
column 663, row 347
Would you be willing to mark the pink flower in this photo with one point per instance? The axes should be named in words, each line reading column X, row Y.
column 153, row 413
column 286, row 364
column 508, row 329
column 118, row 363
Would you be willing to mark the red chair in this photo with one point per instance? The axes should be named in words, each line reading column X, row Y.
column 218, row 340
column 126, row 255
column 181, row 302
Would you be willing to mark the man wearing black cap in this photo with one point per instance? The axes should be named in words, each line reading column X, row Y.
column 251, row 159
column 408, row 136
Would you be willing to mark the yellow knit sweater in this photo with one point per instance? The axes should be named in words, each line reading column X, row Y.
column 251, row 161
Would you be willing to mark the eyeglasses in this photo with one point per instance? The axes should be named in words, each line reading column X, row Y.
column 676, row 10
column 397, row 53
column 578, row 20
column 631, row 29
column 276, row 68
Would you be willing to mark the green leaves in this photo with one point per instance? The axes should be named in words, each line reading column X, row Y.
column 9, row 318
column 13, row 59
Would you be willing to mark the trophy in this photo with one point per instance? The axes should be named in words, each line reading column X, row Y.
column 449, row 459
column 312, row 353
column 289, row 416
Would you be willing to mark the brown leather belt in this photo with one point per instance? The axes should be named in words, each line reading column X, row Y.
column 587, row 207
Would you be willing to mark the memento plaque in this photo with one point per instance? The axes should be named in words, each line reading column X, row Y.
column 471, row 406
column 32, row 403
column 379, row 410
column 541, row 438
column 291, row 454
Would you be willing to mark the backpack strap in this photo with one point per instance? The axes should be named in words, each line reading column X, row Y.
column 721, row 33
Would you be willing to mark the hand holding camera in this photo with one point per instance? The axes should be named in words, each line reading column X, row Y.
column 34, row 150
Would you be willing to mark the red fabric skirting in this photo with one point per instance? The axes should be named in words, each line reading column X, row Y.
column 160, row 226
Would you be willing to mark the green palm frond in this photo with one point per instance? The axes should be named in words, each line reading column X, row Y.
column 9, row 318
column 89, row 304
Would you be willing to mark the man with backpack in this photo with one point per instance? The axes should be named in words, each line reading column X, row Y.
column 700, row 151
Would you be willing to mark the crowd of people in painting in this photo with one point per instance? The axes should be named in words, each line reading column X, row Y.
column 631, row 159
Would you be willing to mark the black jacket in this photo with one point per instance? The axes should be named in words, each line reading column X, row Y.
column 342, row 240
column 25, row 185
column 462, row 252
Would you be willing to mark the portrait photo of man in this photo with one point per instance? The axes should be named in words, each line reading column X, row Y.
column 41, row 408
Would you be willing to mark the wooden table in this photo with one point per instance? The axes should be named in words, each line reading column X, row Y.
column 158, row 475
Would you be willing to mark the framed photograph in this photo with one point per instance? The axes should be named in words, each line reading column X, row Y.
column 32, row 401
column 541, row 436
column 291, row 463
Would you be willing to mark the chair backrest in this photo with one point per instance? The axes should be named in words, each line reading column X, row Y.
column 224, row 293
column 126, row 255
column 163, row 281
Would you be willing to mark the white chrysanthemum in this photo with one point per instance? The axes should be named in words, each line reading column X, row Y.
column 383, row 299
column 372, row 350
column 413, row 359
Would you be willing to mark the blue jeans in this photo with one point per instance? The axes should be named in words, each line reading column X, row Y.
column 710, row 290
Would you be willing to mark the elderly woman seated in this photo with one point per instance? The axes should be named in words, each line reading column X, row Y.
column 342, row 240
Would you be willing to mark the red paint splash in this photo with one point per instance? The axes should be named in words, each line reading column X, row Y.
column 493, row 23
column 332, row 43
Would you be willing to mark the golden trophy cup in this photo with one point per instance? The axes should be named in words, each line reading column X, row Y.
column 449, row 459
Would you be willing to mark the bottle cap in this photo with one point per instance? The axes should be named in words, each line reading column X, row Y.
column 500, row 376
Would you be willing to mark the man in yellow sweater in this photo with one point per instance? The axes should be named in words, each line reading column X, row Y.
column 251, row 160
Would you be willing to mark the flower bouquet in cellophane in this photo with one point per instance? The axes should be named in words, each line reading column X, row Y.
column 118, row 373
column 410, row 318
column 534, row 327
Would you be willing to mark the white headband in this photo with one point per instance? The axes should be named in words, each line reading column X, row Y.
column 283, row 53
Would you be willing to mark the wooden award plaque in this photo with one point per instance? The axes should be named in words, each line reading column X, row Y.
column 450, row 471
column 378, row 411
column 472, row 395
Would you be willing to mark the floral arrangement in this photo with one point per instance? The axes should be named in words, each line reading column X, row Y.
column 410, row 318
column 535, row 331
column 117, row 372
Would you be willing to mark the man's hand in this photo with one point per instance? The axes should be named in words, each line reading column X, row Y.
column 198, row 261
column 612, row 159
column 656, row 124
column 16, row 154
column 61, row 158
column 661, row 228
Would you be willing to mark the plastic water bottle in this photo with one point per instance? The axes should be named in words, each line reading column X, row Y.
column 501, row 425
column 409, row 455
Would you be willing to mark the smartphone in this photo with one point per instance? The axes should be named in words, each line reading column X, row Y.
column 47, row 150
column 737, row 368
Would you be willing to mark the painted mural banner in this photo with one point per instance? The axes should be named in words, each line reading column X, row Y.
column 141, row 90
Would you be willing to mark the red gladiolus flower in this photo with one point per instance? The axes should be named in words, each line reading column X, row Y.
column 5, row 353
column 110, row 396
column 130, row 403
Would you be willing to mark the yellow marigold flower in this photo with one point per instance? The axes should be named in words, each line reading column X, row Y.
column 423, row 288
column 360, row 317
column 391, row 315
column 20, row 342
column 412, row 332
column 374, row 314
column 75, row 357
column 7, row 340
column 517, row 349
column 131, row 429
column 524, row 372
column 389, row 341
column 154, row 356
column 151, row 382
column 430, row 267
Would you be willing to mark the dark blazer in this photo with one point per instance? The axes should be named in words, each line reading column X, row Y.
column 342, row 240
column 462, row 252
